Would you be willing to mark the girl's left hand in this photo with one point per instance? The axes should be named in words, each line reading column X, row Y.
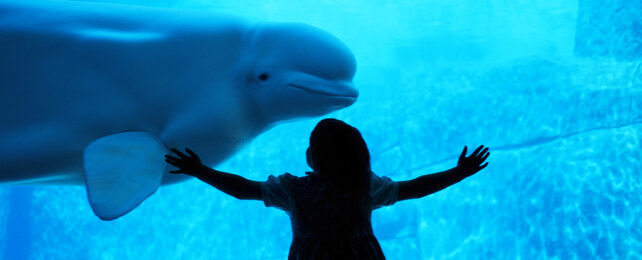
column 186, row 164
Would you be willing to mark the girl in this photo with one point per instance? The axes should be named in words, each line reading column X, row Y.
column 330, row 208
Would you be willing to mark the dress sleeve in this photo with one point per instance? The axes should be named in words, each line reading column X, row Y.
column 278, row 192
column 383, row 191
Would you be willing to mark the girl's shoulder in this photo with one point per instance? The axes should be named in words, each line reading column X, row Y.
column 286, row 177
column 291, row 182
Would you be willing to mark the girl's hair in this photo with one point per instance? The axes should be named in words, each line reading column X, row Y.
column 340, row 154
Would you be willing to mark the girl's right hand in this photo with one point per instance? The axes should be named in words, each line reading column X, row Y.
column 470, row 165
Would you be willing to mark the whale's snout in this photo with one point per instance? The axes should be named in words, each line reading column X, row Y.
column 322, row 64
column 314, row 84
column 310, row 70
column 348, row 89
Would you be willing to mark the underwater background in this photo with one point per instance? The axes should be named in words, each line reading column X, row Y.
column 553, row 87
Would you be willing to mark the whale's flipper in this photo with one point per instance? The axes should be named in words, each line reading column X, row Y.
column 121, row 171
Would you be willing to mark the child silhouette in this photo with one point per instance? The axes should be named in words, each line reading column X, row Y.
column 330, row 208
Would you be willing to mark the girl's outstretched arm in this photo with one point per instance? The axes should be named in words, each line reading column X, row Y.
column 234, row 185
column 431, row 183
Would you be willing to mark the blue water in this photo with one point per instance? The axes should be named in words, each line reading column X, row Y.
column 553, row 87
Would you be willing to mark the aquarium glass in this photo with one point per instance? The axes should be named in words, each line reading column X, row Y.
column 553, row 87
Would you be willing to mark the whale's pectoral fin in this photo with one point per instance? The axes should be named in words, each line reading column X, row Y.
column 121, row 171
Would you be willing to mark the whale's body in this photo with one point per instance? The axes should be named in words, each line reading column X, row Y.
column 94, row 94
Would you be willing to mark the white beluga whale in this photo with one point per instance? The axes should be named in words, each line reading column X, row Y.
column 95, row 94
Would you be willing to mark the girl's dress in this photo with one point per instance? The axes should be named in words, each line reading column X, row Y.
column 327, row 223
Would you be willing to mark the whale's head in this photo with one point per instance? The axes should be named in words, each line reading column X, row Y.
column 293, row 70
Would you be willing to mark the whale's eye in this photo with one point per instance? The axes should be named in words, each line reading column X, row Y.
column 264, row 76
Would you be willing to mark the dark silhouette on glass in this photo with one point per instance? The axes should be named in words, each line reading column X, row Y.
column 330, row 207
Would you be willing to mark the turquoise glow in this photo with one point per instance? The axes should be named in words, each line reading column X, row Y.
column 120, row 35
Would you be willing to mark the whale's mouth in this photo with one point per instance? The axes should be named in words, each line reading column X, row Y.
column 344, row 91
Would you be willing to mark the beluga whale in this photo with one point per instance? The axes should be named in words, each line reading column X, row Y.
column 95, row 94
